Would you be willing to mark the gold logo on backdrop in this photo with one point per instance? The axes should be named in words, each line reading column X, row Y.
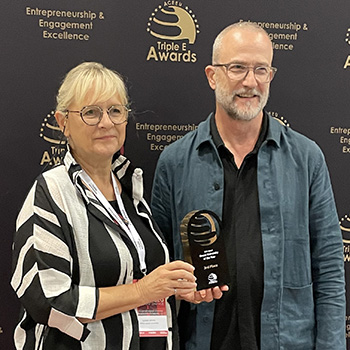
column 176, row 28
column 279, row 118
column 347, row 40
column 184, row 22
column 51, row 133
column 345, row 228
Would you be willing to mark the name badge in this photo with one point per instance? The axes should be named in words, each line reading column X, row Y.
column 152, row 319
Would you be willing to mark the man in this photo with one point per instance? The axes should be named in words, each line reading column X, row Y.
column 271, row 188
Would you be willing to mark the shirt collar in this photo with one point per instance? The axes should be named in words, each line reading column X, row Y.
column 131, row 178
column 262, row 136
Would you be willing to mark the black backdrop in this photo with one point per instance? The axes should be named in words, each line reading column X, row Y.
column 161, row 48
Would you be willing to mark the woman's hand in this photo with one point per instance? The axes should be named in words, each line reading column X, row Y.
column 172, row 278
column 206, row 295
column 162, row 282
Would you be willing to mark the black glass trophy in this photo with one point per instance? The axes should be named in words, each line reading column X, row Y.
column 204, row 248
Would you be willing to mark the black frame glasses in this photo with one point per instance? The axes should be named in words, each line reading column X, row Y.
column 236, row 72
column 92, row 115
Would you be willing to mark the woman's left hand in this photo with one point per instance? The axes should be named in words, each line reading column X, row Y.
column 204, row 295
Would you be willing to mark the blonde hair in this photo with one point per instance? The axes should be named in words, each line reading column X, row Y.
column 90, row 77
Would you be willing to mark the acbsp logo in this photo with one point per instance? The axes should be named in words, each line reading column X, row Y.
column 176, row 29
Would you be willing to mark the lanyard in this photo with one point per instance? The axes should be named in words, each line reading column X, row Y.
column 124, row 222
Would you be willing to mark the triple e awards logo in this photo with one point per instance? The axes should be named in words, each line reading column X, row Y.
column 279, row 118
column 344, row 223
column 56, row 143
column 347, row 40
column 175, row 27
column 345, row 228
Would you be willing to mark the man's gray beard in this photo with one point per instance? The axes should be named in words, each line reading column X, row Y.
column 227, row 103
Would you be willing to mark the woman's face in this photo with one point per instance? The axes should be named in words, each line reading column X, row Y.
column 97, row 143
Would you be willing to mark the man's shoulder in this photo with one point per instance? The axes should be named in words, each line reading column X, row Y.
column 291, row 137
column 188, row 143
column 183, row 142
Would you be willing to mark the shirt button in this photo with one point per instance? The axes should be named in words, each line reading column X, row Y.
column 205, row 319
column 216, row 186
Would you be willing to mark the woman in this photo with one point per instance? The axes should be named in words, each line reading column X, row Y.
column 89, row 263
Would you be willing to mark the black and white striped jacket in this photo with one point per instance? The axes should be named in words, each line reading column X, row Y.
column 60, row 231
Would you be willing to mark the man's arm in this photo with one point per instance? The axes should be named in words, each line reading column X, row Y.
column 161, row 206
column 327, row 263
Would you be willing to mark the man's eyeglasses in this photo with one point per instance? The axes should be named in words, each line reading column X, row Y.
column 262, row 74
column 92, row 115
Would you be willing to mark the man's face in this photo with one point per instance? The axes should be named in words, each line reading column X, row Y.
column 243, row 99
